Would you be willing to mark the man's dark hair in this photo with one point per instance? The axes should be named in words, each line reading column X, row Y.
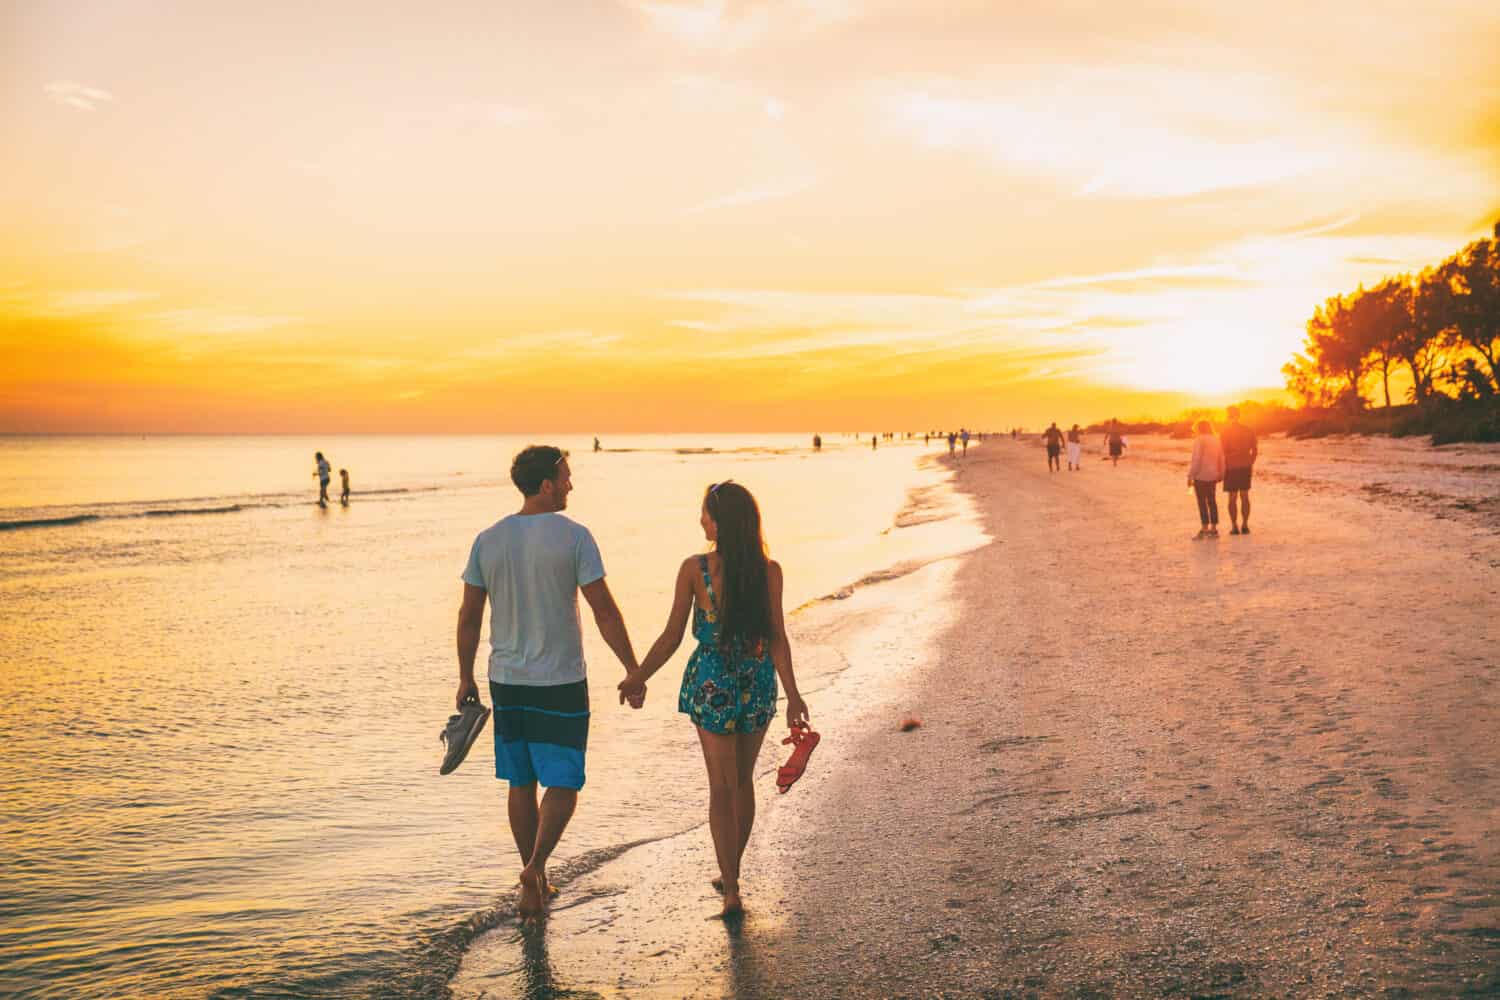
column 535, row 465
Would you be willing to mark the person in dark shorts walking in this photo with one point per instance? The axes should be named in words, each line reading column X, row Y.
column 1240, row 452
column 530, row 567
column 1053, row 437
column 1115, row 442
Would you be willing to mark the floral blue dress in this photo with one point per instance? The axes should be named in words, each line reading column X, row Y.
column 733, row 692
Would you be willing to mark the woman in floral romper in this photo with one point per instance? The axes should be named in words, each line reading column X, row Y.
column 729, row 687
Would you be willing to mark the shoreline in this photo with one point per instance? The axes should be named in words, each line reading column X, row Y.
column 641, row 924
column 1106, row 797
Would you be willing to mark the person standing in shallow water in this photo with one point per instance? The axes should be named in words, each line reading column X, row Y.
column 1240, row 451
column 324, row 473
column 729, row 686
column 344, row 496
column 529, row 567
column 1204, row 473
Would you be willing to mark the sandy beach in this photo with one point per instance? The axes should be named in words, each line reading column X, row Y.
column 1262, row 766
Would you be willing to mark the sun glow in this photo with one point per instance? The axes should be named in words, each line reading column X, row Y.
column 668, row 215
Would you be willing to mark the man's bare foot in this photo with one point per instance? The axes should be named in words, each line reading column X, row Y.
column 733, row 908
column 533, row 892
column 552, row 889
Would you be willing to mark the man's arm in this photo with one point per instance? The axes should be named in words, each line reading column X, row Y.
column 611, row 623
column 470, row 621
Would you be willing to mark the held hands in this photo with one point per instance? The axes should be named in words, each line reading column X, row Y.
column 633, row 689
column 467, row 690
column 796, row 711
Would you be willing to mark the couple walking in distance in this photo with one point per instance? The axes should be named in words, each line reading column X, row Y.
column 528, row 568
column 1230, row 458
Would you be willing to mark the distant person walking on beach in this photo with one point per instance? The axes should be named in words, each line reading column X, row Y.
column 952, row 440
column 817, row 442
column 1204, row 474
column 1114, row 441
column 324, row 473
column 597, row 445
column 874, row 441
column 1054, row 440
column 963, row 435
column 1075, row 449
column 344, row 496
column 729, row 688
column 530, row 566
column 1240, row 451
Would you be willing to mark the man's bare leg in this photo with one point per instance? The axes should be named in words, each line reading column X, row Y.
column 1234, row 515
column 556, row 809
column 1245, row 511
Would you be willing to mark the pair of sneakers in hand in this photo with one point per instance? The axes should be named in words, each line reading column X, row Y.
column 461, row 732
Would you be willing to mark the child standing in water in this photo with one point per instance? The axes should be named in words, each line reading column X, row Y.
column 1204, row 474
column 344, row 497
column 729, row 687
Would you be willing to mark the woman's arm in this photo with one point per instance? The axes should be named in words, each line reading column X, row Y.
column 781, row 651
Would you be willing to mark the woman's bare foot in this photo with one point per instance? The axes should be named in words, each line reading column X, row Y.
column 533, row 893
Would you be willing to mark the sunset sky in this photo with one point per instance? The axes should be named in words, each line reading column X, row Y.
column 354, row 216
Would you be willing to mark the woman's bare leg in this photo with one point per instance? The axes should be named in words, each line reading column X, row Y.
column 720, row 757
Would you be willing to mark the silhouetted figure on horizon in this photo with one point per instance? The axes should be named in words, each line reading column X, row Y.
column 1240, row 451
column 1054, row 439
column 1075, row 449
column 1115, row 442
column 324, row 473
column 1204, row 473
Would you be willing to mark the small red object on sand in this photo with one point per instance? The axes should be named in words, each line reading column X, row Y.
column 909, row 723
column 803, row 740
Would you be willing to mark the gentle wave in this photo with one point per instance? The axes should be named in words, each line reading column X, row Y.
column 269, row 501
column 48, row 522
column 168, row 512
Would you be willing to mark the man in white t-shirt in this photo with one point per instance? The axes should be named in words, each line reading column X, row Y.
column 529, row 568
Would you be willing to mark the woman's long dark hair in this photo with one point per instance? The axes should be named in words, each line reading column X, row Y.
column 745, row 605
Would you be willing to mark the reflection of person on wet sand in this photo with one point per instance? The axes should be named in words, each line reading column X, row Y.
column 729, row 688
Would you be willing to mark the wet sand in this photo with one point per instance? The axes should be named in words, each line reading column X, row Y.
column 1261, row 766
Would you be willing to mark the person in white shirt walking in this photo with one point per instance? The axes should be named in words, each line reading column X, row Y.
column 1204, row 475
column 529, row 567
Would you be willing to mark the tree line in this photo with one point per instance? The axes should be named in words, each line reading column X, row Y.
column 1437, row 331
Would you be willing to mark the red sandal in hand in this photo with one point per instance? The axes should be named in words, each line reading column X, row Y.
column 803, row 741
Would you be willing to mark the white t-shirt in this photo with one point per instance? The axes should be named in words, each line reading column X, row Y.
column 324, row 469
column 532, row 565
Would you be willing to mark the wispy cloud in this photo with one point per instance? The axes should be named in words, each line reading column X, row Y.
column 78, row 96
column 752, row 195
column 95, row 300
column 730, row 26
column 217, row 322
column 1101, row 142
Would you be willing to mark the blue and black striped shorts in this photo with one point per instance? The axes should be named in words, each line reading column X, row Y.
column 541, row 733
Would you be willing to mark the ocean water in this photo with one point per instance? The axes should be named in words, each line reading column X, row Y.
column 220, row 703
